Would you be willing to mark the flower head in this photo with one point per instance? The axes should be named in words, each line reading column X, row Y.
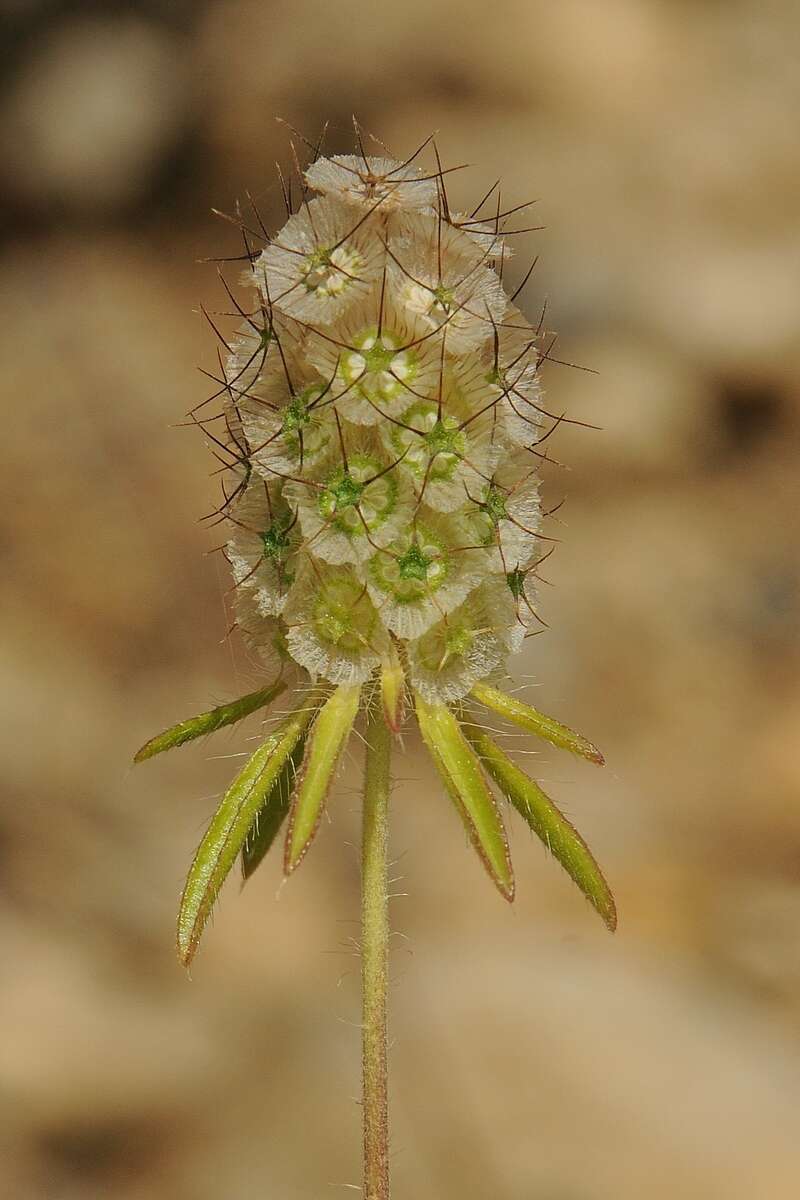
column 391, row 427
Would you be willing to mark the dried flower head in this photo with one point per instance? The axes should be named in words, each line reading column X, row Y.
column 382, row 409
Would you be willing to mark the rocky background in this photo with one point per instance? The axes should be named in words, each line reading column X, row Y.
column 534, row 1057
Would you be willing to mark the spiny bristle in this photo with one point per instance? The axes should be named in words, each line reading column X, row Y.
column 382, row 404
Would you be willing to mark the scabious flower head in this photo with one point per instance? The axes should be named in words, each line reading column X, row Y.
column 386, row 407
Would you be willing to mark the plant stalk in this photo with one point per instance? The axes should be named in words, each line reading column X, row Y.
column 375, row 956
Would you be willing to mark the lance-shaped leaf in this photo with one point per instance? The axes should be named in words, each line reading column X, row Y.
column 535, row 722
column 559, row 836
column 207, row 722
column 466, row 786
column 272, row 813
column 324, row 745
column 229, row 828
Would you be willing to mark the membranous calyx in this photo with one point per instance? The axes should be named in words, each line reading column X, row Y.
column 397, row 523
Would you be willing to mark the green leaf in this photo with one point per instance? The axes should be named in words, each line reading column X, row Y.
column 272, row 813
column 535, row 722
column 324, row 746
column 466, row 786
column 559, row 836
column 229, row 828
column 195, row 727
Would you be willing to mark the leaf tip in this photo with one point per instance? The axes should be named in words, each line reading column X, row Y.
column 291, row 861
column 293, row 854
column 609, row 915
column 186, row 947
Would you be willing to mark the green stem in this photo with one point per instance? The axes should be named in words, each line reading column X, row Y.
column 375, row 957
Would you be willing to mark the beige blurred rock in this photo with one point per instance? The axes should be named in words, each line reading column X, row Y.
column 596, row 1074
column 91, row 114
column 653, row 411
column 754, row 928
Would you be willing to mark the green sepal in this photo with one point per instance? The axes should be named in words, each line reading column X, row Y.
column 535, row 722
column 207, row 722
column 559, row 836
column 272, row 814
column 465, row 784
column 324, row 745
column 229, row 828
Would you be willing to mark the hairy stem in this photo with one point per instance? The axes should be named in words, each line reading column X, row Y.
column 375, row 957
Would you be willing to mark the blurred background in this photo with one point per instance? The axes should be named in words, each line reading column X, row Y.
column 534, row 1057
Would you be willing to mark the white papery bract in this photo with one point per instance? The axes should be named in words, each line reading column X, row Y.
column 334, row 630
column 382, row 402
column 260, row 550
column 472, row 642
column 320, row 263
column 374, row 182
column 440, row 274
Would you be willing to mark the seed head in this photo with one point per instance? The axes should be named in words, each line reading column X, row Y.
column 388, row 416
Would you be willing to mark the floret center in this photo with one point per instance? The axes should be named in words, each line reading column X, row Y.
column 413, row 564
column 444, row 438
column 295, row 416
column 457, row 641
column 276, row 543
column 442, row 301
column 378, row 357
column 339, row 616
column 494, row 505
column 516, row 581
column 341, row 494
column 329, row 270
column 379, row 364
